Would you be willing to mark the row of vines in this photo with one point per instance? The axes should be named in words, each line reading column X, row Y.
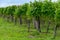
column 34, row 12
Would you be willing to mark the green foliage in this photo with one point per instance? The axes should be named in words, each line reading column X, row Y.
column 4, row 11
column 1, row 10
column 48, row 9
column 21, row 10
column 57, row 16
column 36, row 9
column 10, row 10
column 43, row 9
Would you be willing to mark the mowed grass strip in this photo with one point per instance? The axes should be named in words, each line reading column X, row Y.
column 10, row 31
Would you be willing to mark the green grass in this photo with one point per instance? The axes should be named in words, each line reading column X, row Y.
column 10, row 31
